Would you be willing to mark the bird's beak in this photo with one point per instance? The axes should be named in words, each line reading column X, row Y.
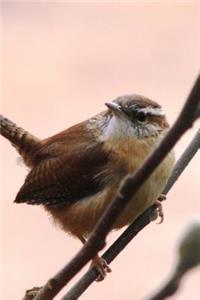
column 116, row 108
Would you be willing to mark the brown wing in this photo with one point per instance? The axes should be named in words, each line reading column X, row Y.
column 68, row 172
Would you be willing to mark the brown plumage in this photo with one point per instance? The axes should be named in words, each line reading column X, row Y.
column 76, row 173
column 24, row 142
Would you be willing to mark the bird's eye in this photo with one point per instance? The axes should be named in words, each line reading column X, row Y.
column 141, row 117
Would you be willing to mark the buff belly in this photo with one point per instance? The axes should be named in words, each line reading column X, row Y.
column 80, row 218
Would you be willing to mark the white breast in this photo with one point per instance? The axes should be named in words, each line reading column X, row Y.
column 118, row 128
column 122, row 127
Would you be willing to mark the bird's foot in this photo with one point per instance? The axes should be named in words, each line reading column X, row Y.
column 32, row 293
column 162, row 197
column 158, row 203
column 99, row 263
column 102, row 267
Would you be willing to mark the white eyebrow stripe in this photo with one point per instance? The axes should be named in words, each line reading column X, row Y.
column 153, row 111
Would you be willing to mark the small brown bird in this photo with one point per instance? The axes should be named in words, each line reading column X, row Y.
column 76, row 173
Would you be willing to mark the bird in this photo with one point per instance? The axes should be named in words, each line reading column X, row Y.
column 76, row 173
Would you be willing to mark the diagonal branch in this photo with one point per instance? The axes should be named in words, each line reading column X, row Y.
column 131, row 184
column 188, row 258
column 114, row 250
column 183, row 161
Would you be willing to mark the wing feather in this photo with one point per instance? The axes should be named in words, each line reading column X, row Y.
column 67, row 176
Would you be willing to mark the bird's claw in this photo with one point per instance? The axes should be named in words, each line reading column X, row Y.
column 101, row 265
column 158, row 203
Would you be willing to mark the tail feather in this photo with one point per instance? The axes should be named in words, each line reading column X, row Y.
column 22, row 140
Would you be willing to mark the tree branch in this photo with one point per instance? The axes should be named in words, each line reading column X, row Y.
column 189, row 258
column 183, row 161
column 127, row 190
column 86, row 280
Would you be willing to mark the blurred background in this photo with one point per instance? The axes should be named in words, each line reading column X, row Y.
column 61, row 63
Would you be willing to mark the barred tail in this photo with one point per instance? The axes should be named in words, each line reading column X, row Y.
column 22, row 140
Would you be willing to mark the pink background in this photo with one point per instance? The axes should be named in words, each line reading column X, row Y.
column 61, row 62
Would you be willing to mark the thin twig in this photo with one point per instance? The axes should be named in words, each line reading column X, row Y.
column 91, row 275
column 183, row 161
column 188, row 258
column 127, row 190
column 170, row 288
column 86, row 280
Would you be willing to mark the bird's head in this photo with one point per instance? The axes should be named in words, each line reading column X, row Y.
column 134, row 116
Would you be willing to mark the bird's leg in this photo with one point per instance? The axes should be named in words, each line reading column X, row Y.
column 98, row 262
column 158, row 203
